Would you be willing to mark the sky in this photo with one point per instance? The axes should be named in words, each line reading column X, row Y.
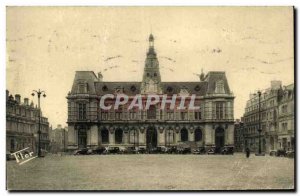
column 46, row 45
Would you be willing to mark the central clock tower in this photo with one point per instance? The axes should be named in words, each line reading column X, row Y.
column 151, row 83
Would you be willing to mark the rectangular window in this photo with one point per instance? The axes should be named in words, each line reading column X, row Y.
column 220, row 110
column 183, row 115
column 82, row 111
column 198, row 115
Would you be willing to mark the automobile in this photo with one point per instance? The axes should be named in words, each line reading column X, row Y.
column 90, row 151
column 99, row 150
column 290, row 154
column 141, row 150
column 82, row 151
column 281, row 153
column 273, row 153
column 202, row 150
column 155, row 150
column 113, row 150
column 9, row 156
column 130, row 150
column 227, row 150
column 183, row 150
column 196, row 151
column 212, row 150
column 172, row 150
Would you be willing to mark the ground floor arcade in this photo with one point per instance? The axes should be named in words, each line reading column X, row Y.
column 149, row 135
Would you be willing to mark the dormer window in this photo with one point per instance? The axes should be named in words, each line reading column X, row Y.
column 220, row 87
column 82, row 88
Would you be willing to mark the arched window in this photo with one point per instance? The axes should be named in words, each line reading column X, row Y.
column 104, row 136
column 198, row 135
column 119, row 136
column 220, row 87
column 184, row 135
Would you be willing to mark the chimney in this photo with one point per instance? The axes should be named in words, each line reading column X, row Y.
column 100, row 77
column 18, row 98
column 26, row 101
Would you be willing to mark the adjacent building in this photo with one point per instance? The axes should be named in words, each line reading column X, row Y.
column 239, row 135
column 273, row 110
column 22, row 125
column 212, row 125
column 58, row 139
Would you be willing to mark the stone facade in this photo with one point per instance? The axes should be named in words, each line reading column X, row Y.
column 276, row 115
column 90, row 126
column 22, row 125
column 58, row 139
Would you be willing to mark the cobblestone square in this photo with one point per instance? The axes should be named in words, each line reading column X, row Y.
column 152, row 172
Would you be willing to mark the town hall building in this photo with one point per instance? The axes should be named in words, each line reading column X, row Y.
column 211, row 125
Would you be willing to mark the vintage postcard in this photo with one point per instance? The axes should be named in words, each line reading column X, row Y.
column 150, row 98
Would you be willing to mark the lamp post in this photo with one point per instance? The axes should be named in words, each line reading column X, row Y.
column 39, row 93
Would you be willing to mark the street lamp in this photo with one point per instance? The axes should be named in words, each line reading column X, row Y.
column 39, row 93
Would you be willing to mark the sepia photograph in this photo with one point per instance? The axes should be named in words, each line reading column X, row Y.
column 160, row 98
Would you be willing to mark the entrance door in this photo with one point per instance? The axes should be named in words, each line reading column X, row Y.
column 151, row 138
column 219, row 139
column 82, row 136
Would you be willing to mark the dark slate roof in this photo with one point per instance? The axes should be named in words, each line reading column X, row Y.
column 128, row 88
column 214, row 76
column 198, row 88
column 88, row 77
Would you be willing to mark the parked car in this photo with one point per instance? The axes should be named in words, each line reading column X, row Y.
column 183, row 150
column 9, row 156
column 141, row 150
column 99, row 150
column 202, row 150
column 155, row 150
column 113, row 150
column 290, row 154
column 196, row 151
column 170, row 150
column 82, row 151
column 90, row 151
column 281, row 153
column 273, row 153
column 211, row 151
column 227, row 150
column 130, row 150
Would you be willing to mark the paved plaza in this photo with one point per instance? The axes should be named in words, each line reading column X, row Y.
column 151, row 172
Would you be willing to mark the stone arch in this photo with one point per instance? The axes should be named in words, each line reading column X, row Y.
column 184, row 135
column 104, row 135
column 219, row 138
column 119, row 136
column 198, row 135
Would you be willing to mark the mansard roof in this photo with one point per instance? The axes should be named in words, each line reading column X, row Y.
column 199, row 88
column 212, row 78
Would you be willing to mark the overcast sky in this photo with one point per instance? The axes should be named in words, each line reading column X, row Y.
column 46, row 45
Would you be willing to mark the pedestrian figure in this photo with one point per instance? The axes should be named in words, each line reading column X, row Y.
column 247, row 152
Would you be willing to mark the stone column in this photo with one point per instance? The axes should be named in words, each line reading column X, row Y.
column 72, row 138
column 142, row 137
column 191, row 135
column 161, row 136
column 209, row 136
column 111, row 136
column 229, row 135
column 94, row 136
